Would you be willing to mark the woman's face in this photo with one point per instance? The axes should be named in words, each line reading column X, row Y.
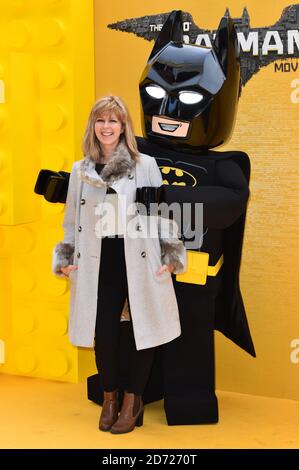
column 108, row 129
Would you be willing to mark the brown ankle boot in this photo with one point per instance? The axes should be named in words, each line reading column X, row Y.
column 131, row 414
column 109, row 410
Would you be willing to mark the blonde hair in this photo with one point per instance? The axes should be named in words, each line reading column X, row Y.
column 109, row 104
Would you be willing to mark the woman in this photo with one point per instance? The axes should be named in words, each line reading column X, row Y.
column 111, row 260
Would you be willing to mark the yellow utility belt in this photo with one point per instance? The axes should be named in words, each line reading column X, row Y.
column 198, row 268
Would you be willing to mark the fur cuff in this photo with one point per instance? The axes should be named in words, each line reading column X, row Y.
column 63, row 255
column 174, row 252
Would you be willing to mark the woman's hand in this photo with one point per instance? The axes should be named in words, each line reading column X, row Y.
column 165, row 267
column 67, row 269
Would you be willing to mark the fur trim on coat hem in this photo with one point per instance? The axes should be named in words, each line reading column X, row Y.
column 63, row 255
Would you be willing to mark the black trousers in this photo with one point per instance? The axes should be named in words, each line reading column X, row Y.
column 112, row 293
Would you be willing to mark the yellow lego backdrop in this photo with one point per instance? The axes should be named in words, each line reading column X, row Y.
column 46, row 89
column 51, row 55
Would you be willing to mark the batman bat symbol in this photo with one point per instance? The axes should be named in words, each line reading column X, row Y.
column 177, row 176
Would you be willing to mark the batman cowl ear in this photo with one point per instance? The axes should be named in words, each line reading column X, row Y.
column 226, row 44
column 172, row 31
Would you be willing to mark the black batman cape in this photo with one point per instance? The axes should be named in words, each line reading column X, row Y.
column 230, row 315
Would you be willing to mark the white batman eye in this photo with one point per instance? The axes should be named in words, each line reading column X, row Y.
column 155, row 91
column 190, row 97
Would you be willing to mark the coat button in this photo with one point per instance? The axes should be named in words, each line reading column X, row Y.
column 78, row 255
column 143, row 254
column 130, row 177
column 138, row 228
column 79, row 228
column 82, row 201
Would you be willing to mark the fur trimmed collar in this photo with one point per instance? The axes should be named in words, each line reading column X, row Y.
column 120, row 165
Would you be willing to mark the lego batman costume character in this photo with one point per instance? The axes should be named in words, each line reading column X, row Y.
column 189, row 97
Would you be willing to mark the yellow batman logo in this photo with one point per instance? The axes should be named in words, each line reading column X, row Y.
column 177, row 176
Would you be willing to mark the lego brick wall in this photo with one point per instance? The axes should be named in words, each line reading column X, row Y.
column 46, row 91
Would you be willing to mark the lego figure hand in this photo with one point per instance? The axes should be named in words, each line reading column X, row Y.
column 148, row 195
column 67, row 269
column 52, row 185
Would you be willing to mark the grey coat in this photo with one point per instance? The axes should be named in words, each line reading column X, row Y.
column 154, row 310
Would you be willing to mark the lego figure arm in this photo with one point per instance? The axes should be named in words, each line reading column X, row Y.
column 63, row 253
column 223, row 203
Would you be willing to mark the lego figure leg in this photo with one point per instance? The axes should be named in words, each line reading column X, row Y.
column 189, row 383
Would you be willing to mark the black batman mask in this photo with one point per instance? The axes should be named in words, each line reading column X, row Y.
column 189, row 93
